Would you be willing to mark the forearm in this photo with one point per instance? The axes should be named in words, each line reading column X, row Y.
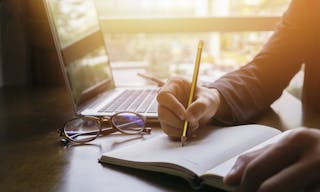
column 250, row 90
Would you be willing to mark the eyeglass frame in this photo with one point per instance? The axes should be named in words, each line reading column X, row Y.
column 106, row 131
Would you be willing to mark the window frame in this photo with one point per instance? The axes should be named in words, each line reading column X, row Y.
column 186, row 25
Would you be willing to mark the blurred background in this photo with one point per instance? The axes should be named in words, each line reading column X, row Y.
column 158, row 37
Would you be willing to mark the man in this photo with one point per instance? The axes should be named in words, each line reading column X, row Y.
column 293, row 164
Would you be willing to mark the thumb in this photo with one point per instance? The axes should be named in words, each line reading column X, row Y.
column 203, row 108
column 195, row 112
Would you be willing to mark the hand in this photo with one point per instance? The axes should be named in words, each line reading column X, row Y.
column 292, row 164
column 173, row 98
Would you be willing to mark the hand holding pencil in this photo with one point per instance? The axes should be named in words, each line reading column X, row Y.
column 180, row 105
column 192, row 90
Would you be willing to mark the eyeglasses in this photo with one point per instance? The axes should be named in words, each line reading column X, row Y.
column 87, row 128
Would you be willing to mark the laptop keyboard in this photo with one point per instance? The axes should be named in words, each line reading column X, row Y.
column 140, row 101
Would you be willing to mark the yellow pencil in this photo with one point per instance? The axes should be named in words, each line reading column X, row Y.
column 192, row 90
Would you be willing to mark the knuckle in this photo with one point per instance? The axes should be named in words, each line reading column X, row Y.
column 177, row 80
column 167, row 99
column 159, row 97
column 301, row 135
column 175, row 86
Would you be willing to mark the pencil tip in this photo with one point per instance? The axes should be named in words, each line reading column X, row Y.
column 183, row 140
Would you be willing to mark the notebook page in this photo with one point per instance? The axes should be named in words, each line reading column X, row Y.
column 223, row 169
column 211, row 148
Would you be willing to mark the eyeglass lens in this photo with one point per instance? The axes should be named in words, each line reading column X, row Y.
column 128, row 123
column 82, row 129
column 86, row 129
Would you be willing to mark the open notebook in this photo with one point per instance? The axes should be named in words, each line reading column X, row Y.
column 203, row 160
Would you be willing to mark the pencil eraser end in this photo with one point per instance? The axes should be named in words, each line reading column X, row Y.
column 200, row 45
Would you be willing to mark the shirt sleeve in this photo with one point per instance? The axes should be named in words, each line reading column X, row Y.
column 250, row 90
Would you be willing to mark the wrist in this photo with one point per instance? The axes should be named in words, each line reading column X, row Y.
column 214, row 98
column 223, row 112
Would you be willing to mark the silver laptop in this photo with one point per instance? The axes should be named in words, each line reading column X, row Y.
column 85, row 63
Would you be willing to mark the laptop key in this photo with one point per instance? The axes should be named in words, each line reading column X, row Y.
column 146, row 103
column 137, row 102
column 132, row 100
column 112, row 106
column 128, row 101
column 154, row 107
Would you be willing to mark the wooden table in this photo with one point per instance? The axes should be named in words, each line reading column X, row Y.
column 32, row 159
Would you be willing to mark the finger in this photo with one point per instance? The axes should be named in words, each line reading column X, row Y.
column 169, row 101
column 199, row 110
column 296, row 177
column 169, row 117
column 281, row 155
column 276, row 158
column 173, row 132
column 178, row 87
column 204, row 107
column 195, row 112
column 233, row 178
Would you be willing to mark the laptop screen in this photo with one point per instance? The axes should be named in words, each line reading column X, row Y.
column 81, row 47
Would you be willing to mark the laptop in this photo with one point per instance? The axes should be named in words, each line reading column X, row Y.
column 85, row 63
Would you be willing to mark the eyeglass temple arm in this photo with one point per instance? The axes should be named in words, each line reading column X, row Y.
column 103, row 131
column 107, row 131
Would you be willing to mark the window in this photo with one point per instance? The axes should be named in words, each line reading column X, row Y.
column 161, row 35
column 190, row 8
